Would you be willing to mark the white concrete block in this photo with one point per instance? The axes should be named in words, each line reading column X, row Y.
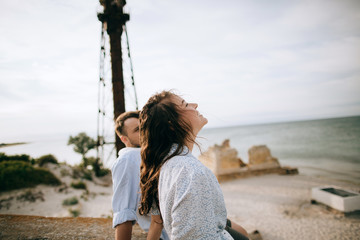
column 339, row 199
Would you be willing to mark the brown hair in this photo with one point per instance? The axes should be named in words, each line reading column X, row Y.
column 161, row 126
column 119, row 122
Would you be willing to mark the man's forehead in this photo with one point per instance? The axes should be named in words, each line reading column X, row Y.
column 131, row 122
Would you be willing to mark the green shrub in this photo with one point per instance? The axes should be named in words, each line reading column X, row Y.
column 97, row 167
column 79, row 172
column 76, row 172
column 74, row 212
column 78, row 185
column 64, row 172
column 85, row 196
column 46, row 159
column 19, row 174
column 31, row 196
column 70, row 201
column 22, row 157
column 87, row 175
column 103, row 172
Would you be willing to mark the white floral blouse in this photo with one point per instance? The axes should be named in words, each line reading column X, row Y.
column 191, row 201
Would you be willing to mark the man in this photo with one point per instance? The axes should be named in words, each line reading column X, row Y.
column 126, row 179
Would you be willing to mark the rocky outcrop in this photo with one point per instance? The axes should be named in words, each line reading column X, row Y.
column 260, row 158
column 224, row 162
column 221, row 157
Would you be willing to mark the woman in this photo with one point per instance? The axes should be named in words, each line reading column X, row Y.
column 172, row 179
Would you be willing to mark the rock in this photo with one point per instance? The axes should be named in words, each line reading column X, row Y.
column 255, row 235
column 289, row 171
column 260, row 158
column 220, row 157
column 224, row 162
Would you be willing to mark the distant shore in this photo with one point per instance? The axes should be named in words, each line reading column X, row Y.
column 11, row 144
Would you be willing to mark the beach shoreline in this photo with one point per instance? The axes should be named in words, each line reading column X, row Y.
column 2, row 145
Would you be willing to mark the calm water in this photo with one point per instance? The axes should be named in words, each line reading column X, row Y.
column 328, row 148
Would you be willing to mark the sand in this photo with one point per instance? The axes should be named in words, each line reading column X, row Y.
column 279, row 207
column 276, row 205
column 95, row 202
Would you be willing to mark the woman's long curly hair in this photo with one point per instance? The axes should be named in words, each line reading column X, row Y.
column 161, row 126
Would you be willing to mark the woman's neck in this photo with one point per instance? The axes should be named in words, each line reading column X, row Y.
column 189, row 145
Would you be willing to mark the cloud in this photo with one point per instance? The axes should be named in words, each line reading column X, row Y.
column 242, row 61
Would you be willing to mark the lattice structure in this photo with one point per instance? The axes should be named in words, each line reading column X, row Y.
column 109, row 93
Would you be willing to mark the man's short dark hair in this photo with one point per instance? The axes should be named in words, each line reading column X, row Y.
column 119, row 122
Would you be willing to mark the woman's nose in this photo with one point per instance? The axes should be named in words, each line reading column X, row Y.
column 195, row 105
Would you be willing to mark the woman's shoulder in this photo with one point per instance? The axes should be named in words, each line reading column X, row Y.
column 182, row 160
column 186, row 171
column 185, row 163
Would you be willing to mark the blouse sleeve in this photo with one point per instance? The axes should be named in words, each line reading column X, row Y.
column 193, row 209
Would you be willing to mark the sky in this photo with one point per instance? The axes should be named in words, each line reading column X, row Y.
column 244, row 61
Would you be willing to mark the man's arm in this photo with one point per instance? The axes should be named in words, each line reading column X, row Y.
column 239, row 228
column 156, row 227
column 123, row 231
column 125, row 175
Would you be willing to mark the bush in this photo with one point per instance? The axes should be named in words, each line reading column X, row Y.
column 75, row 212
column 76, row 172
column 19, row 174
column 104, row 172
column 70, row 201
column 79, row 172
column 64, row 172
column 46, row 159
column 31, row 196
column 87, row 175
column 97, row 166
column 78, row 185
column 22, row 157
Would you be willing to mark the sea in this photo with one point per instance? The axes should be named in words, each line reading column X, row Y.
column 325, row 148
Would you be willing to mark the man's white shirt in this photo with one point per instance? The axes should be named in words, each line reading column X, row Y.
column 126, row 187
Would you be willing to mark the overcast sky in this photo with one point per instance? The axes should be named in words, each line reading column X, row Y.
column 243, row 62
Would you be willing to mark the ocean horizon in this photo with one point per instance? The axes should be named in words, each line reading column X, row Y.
column 328, row 148
column 325, row 148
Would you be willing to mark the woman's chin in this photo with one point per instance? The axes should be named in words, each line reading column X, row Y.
column 205, row 121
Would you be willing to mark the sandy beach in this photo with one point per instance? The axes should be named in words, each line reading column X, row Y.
column 276, row 205
column 279, row 207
